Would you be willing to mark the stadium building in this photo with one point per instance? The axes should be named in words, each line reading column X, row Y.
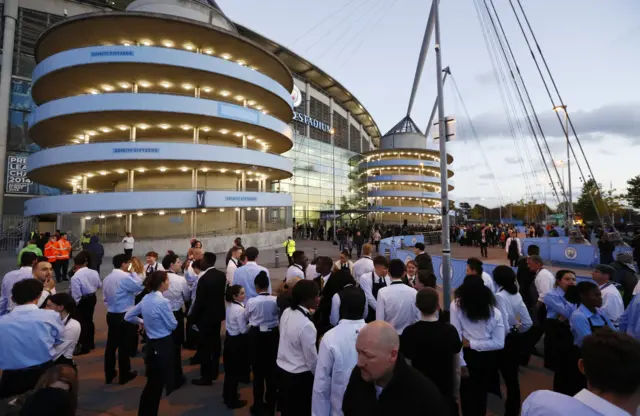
column 170, row 120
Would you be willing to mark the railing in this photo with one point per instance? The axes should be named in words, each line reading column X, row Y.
column 163, row 189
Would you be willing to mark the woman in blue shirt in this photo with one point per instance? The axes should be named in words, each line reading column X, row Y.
column 558, row 341
column 159, row 323
column 585, row 320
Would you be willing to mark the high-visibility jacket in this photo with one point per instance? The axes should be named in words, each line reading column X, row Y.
column 289, row 246
column 63, row 249
column 50, row 251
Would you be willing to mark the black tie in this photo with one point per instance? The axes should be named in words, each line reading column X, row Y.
column 149, row 269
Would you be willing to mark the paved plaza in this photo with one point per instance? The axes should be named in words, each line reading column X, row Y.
column 96, row 398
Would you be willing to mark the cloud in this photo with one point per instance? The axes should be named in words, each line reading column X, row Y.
column 614, row 119
column 511, row 160
column 486, row 78
column 465, row 168
column 485, row 176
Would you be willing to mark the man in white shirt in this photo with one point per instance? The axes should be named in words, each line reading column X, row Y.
column 84, row 285
column 544, row 280
column 178, row 293
column 372, row 282
column 128, row 242
column 43, row 271
column 234, row 263
column 612, row 304
column 396, row 303
column 474, row 267
column 364, row 264
column 298, row 266
column 610, row 363
column 338, row 356
column 245, row 276
column 24, row 272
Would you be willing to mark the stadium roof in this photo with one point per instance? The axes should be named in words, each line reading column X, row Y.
column 406, row 125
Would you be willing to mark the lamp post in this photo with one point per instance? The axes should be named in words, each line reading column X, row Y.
column 566, row 134
column 563, row 183
column 422, row 191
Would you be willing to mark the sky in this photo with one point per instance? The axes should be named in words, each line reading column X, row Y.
column 372, row 47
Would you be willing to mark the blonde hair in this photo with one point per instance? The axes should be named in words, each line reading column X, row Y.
column 137, row 266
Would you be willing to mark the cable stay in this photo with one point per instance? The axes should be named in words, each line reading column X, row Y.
column 329, row 16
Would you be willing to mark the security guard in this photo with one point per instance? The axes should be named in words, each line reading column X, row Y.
column 51, row 253
column 289, row 248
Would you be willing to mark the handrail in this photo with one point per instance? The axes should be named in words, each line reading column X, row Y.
column 160, row 189
column 155, row 140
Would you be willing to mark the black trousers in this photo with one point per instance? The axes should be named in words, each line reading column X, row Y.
column 209, row 348
column 178, row 339
column 294, row 393
column 57, row 270
column 263, row 352
column 15, row 382
column 290, row 260
column 159, row 372
column 128, row 252
column 539, row 317
column 236, row 365
column 474, row 389
column 119, row 335
column 567, row 378
column 85, row 310
column 483, row 249
column 513, row 262
column 508, row 365
column 191, row 335
column 64, row 267
column 377, row 243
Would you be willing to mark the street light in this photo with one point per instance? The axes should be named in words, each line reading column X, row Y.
column 566, row 134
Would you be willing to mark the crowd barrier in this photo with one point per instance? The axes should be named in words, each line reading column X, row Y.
column 458, row 268
column 559, row 250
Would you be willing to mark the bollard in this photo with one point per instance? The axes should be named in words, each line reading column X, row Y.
column 315, row 253
column 387, row 253
column 402, row 246
column 277, row 259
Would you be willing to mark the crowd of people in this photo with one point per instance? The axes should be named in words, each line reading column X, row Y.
column 335, row 337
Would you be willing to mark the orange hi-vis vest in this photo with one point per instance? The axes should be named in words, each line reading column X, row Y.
column 63, row 249
column 50, row 251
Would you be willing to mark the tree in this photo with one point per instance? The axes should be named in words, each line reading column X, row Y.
column 605, row 201
column 633, row 192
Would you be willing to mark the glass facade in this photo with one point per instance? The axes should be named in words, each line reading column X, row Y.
column 314, row 176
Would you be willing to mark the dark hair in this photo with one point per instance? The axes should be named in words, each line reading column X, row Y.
column 41, row 259
column 475, row 265
column 243, row 256
column 612, row 362
column 81, row 258
column 298, row 255
column 583, row 288
column 208, row 260
column 168, row 260
column 26, row 291
column 427, row 278
column 61, row 373
column 533, row 250
column 120, row 259
column 303, row 291
column 505, row 277
column 352, row 303
column 155, row 280
column 48, row 401
column 235, row 249
column 324, row 261
column 427, row 301
column 27, row 259
column 262, row 280
column 381, row 261
column 232, row 291
column 606, row 270
column 252, row 253
column 151, row 254
column 193, row 245
column 396, row 268
column 560, row 274
column 475, row 299
column 65, row 300
column 345, row 253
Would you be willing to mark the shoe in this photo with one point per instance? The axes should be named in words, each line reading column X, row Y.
column 202, row 382
column 109, row 379
column 237, row 404
column 128, row 377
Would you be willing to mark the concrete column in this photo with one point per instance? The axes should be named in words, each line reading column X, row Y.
column 9, row 24
column 244, row 142
column 84, row 184
column 307, row 106
column 196, row 135
column 243, row 181
column 349, row 132
column 242, row 220
column 59, row 222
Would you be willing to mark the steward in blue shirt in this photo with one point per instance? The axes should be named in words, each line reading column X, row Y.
column 29, row 335
column 159, row 323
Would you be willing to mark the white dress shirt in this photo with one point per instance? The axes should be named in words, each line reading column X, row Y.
column 231, row 268
column 150, row 268
column 488, row 281
column 128, row 243
column 486, row 335
column 366, row 283
column 397, row 305
column 336, row 359
column 45, row 295
column 363, row 266
column 70, row 338
column 585, row 403
column 334, row 318
column 612, row 305
column 297, row 346
column 10, row 279
column 311, row 272
column 236, row 319
column 85, row 281
column 245, row 276
column 544, row 283
column 262, row 312
column 178, row 292
column 514, row 311
column 295, row 270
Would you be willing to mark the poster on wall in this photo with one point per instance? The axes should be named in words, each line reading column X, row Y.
column 20, row 106
column 17, row 181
